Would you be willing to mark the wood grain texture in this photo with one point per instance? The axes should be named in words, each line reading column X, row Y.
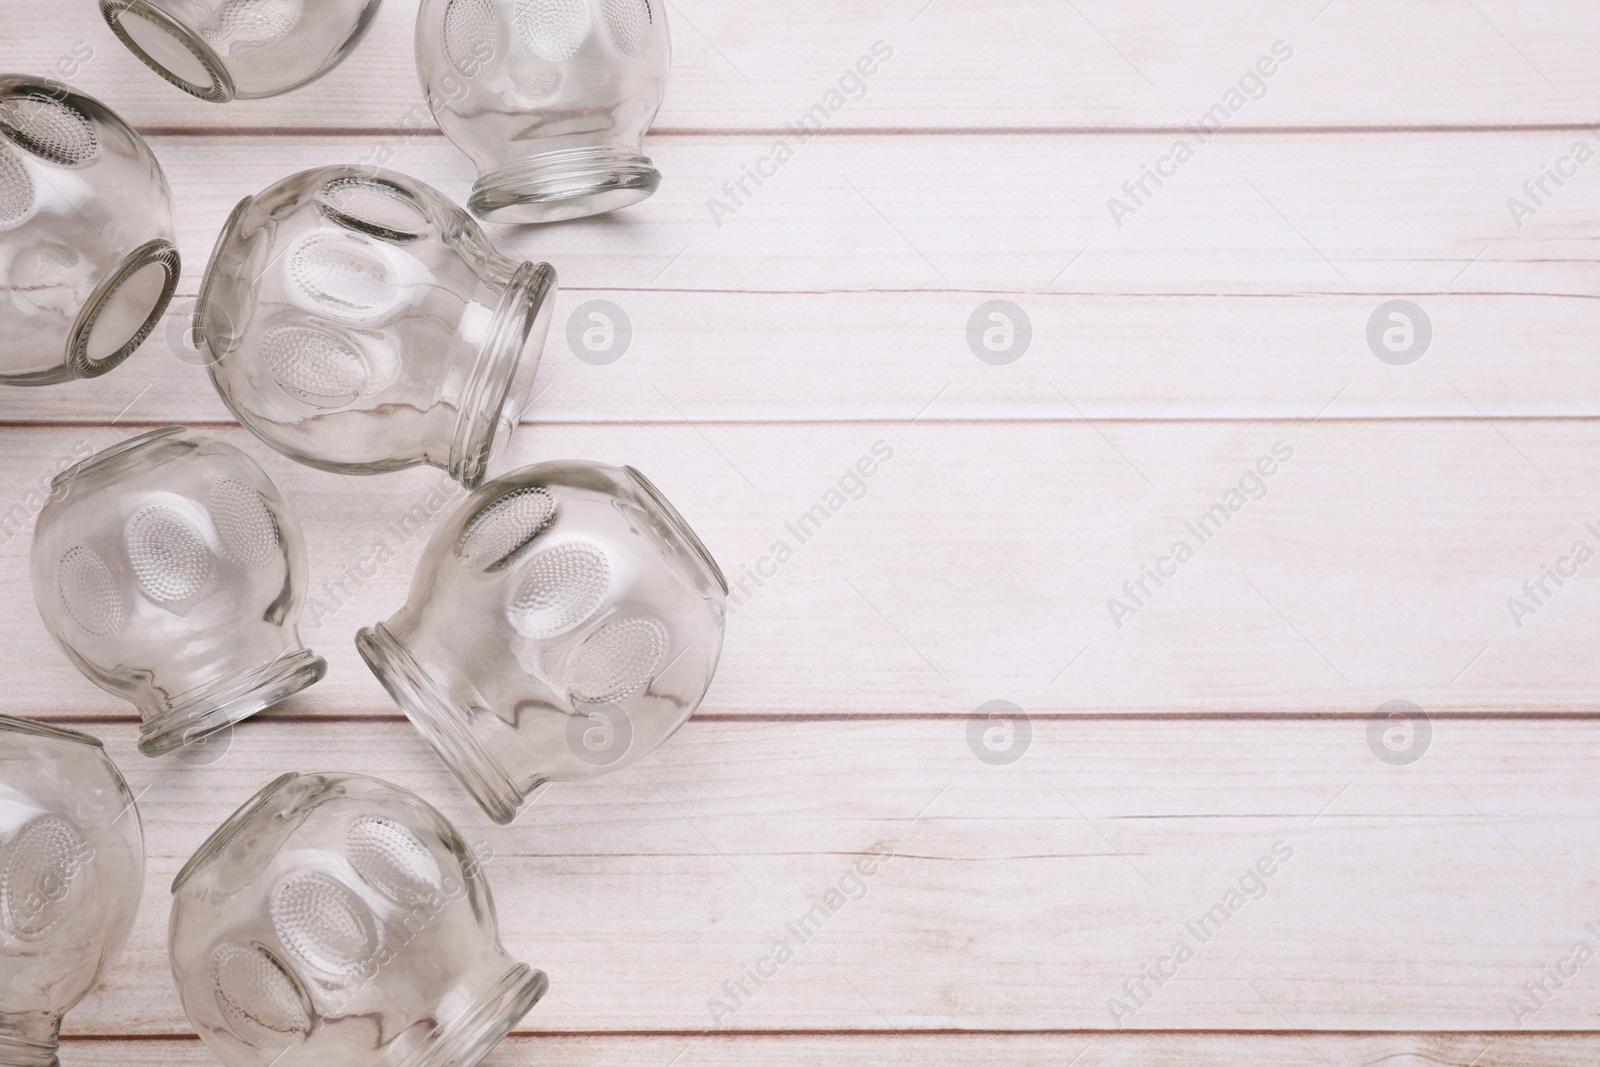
column 1177, row 340
column 957, row 65
column 1020, row 897
column 959, row 573
column 809, row 305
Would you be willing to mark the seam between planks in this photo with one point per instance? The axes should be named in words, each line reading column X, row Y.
column 1090, row 294
column 915, row 131
column 706, row 717
column 871, row 420
column 736, row 1035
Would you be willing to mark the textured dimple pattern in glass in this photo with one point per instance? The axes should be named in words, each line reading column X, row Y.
column 89, row 591
column 323, row 923
column 535, row 78
column 16, row 187
column 553, row 29
column 37, row 869
column 628, row 22
column 257, row 995
column 505, row 526
column 374, row 206
column 170, row 558
column 342, row 273
column 313, row 365
column 561, row 587
column 253, row 22
column 618, row 659
column 471, row 35
column 49, row 128
column 392, row 860
column 244, row 523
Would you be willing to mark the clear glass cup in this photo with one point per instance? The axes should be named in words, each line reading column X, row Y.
column 71, row 871
column 562, row 623
column 171, row 571
column 87, row 259
column 222, row 50
column 336, row 920
column 357, row 321
column 550, row 99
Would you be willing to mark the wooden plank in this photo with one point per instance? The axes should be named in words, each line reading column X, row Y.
column 1198, row 324
column 896, row 356
column 809, row 305
column 1380, row 564
column 957, row 1050
column 1265, row 215
column 1089, row 64
column 1019, row 897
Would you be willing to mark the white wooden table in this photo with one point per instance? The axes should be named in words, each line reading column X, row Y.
column 1221, row 715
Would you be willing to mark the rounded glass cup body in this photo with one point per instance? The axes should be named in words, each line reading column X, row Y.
column 357, row 321
column 550, row 99
column 563, row 622
column 87, row 259
column 170, row 569
column 222, row 50
column 71, row 871
column 336, row 919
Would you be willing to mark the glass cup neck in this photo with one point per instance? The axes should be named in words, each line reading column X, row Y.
column 506, row 364
column 487, row 1020
column 28, row 1039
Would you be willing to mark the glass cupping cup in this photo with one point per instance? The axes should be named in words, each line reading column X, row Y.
column 359, row 322
column 563, row 622
column 171, row 571
column 550, row 99
column 71, row 872
column 88, row 262
column 336, row 920
column 221, row 50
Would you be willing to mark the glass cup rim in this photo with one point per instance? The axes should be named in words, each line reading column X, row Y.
column 120, row 450
column 230, row 826
column 19, row 725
